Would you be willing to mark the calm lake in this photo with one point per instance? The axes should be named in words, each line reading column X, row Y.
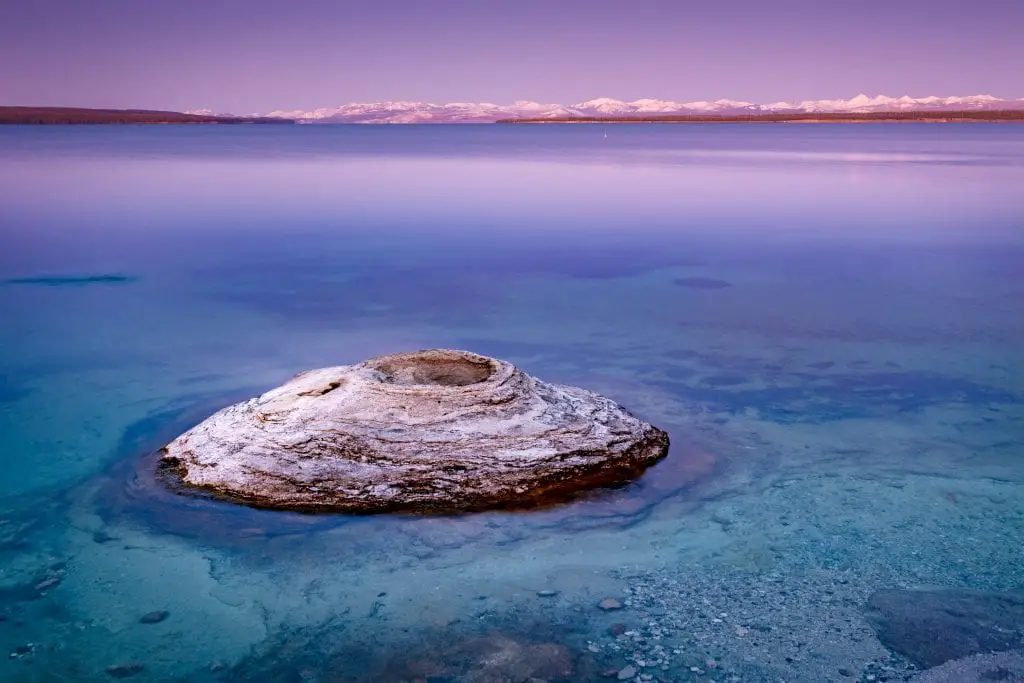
column 827, row 319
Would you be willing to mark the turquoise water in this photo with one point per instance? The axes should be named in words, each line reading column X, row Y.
column 829, row 321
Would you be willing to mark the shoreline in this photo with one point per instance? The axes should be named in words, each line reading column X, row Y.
column 66, row 116
column 20, row 115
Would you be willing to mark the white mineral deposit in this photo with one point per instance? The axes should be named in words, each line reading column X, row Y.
column 426, row 431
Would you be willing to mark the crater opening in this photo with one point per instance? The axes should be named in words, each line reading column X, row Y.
column 434, row 369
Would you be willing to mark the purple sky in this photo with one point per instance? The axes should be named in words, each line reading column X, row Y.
column 259, row 55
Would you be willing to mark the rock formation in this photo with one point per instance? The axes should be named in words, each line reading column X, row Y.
column 1001, row 667
column 930, row 627
column 426, row 431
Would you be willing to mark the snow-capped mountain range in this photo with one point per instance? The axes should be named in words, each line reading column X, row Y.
column 485, row 112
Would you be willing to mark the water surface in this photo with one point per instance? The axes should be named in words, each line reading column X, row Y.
column 829, row 321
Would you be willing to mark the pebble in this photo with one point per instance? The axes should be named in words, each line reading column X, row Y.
column 48, row 583
column 154, row 617
column 124, row 670
column 626, row 673
column 617, row 629
column 609, row 604
column 740, row 631
column 547, row 593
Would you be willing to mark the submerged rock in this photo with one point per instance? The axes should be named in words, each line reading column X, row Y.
column 492, row 658
column 930, row 627
column 48, row 583
column 626, row 673
column 124, row 670
column 22, row 650
column 426, row 431
column 1002, row 667
column 154, row 617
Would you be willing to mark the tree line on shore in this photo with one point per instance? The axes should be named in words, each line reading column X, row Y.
column 78, row 115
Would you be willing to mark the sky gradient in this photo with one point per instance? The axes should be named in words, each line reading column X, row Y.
column 260, row 55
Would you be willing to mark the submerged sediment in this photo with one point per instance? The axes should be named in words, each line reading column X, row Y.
column 427, row 431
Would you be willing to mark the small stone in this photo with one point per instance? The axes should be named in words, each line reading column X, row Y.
column 617, row 629
column 646, row 677
column 218, row 666
column 47, row 583
column 845, row 672
column 626, row 673
column 154, row 617
column 609, row 604
column 710, row 663
column 609, row 673
column 740, row 631
column 124, row 670
column 547, row 593
column 593, row 647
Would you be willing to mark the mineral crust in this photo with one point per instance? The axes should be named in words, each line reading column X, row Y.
column 431, row 431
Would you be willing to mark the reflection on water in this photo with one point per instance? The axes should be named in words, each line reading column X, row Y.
column 828, row 321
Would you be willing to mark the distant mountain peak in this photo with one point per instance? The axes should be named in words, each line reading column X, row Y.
column 401, row 111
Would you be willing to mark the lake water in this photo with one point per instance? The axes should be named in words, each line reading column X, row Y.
column 828, row 320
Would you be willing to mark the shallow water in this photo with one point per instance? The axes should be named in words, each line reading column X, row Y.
column 829, row 321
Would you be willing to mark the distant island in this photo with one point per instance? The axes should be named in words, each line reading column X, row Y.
column 869, row 117
column 78, row 115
